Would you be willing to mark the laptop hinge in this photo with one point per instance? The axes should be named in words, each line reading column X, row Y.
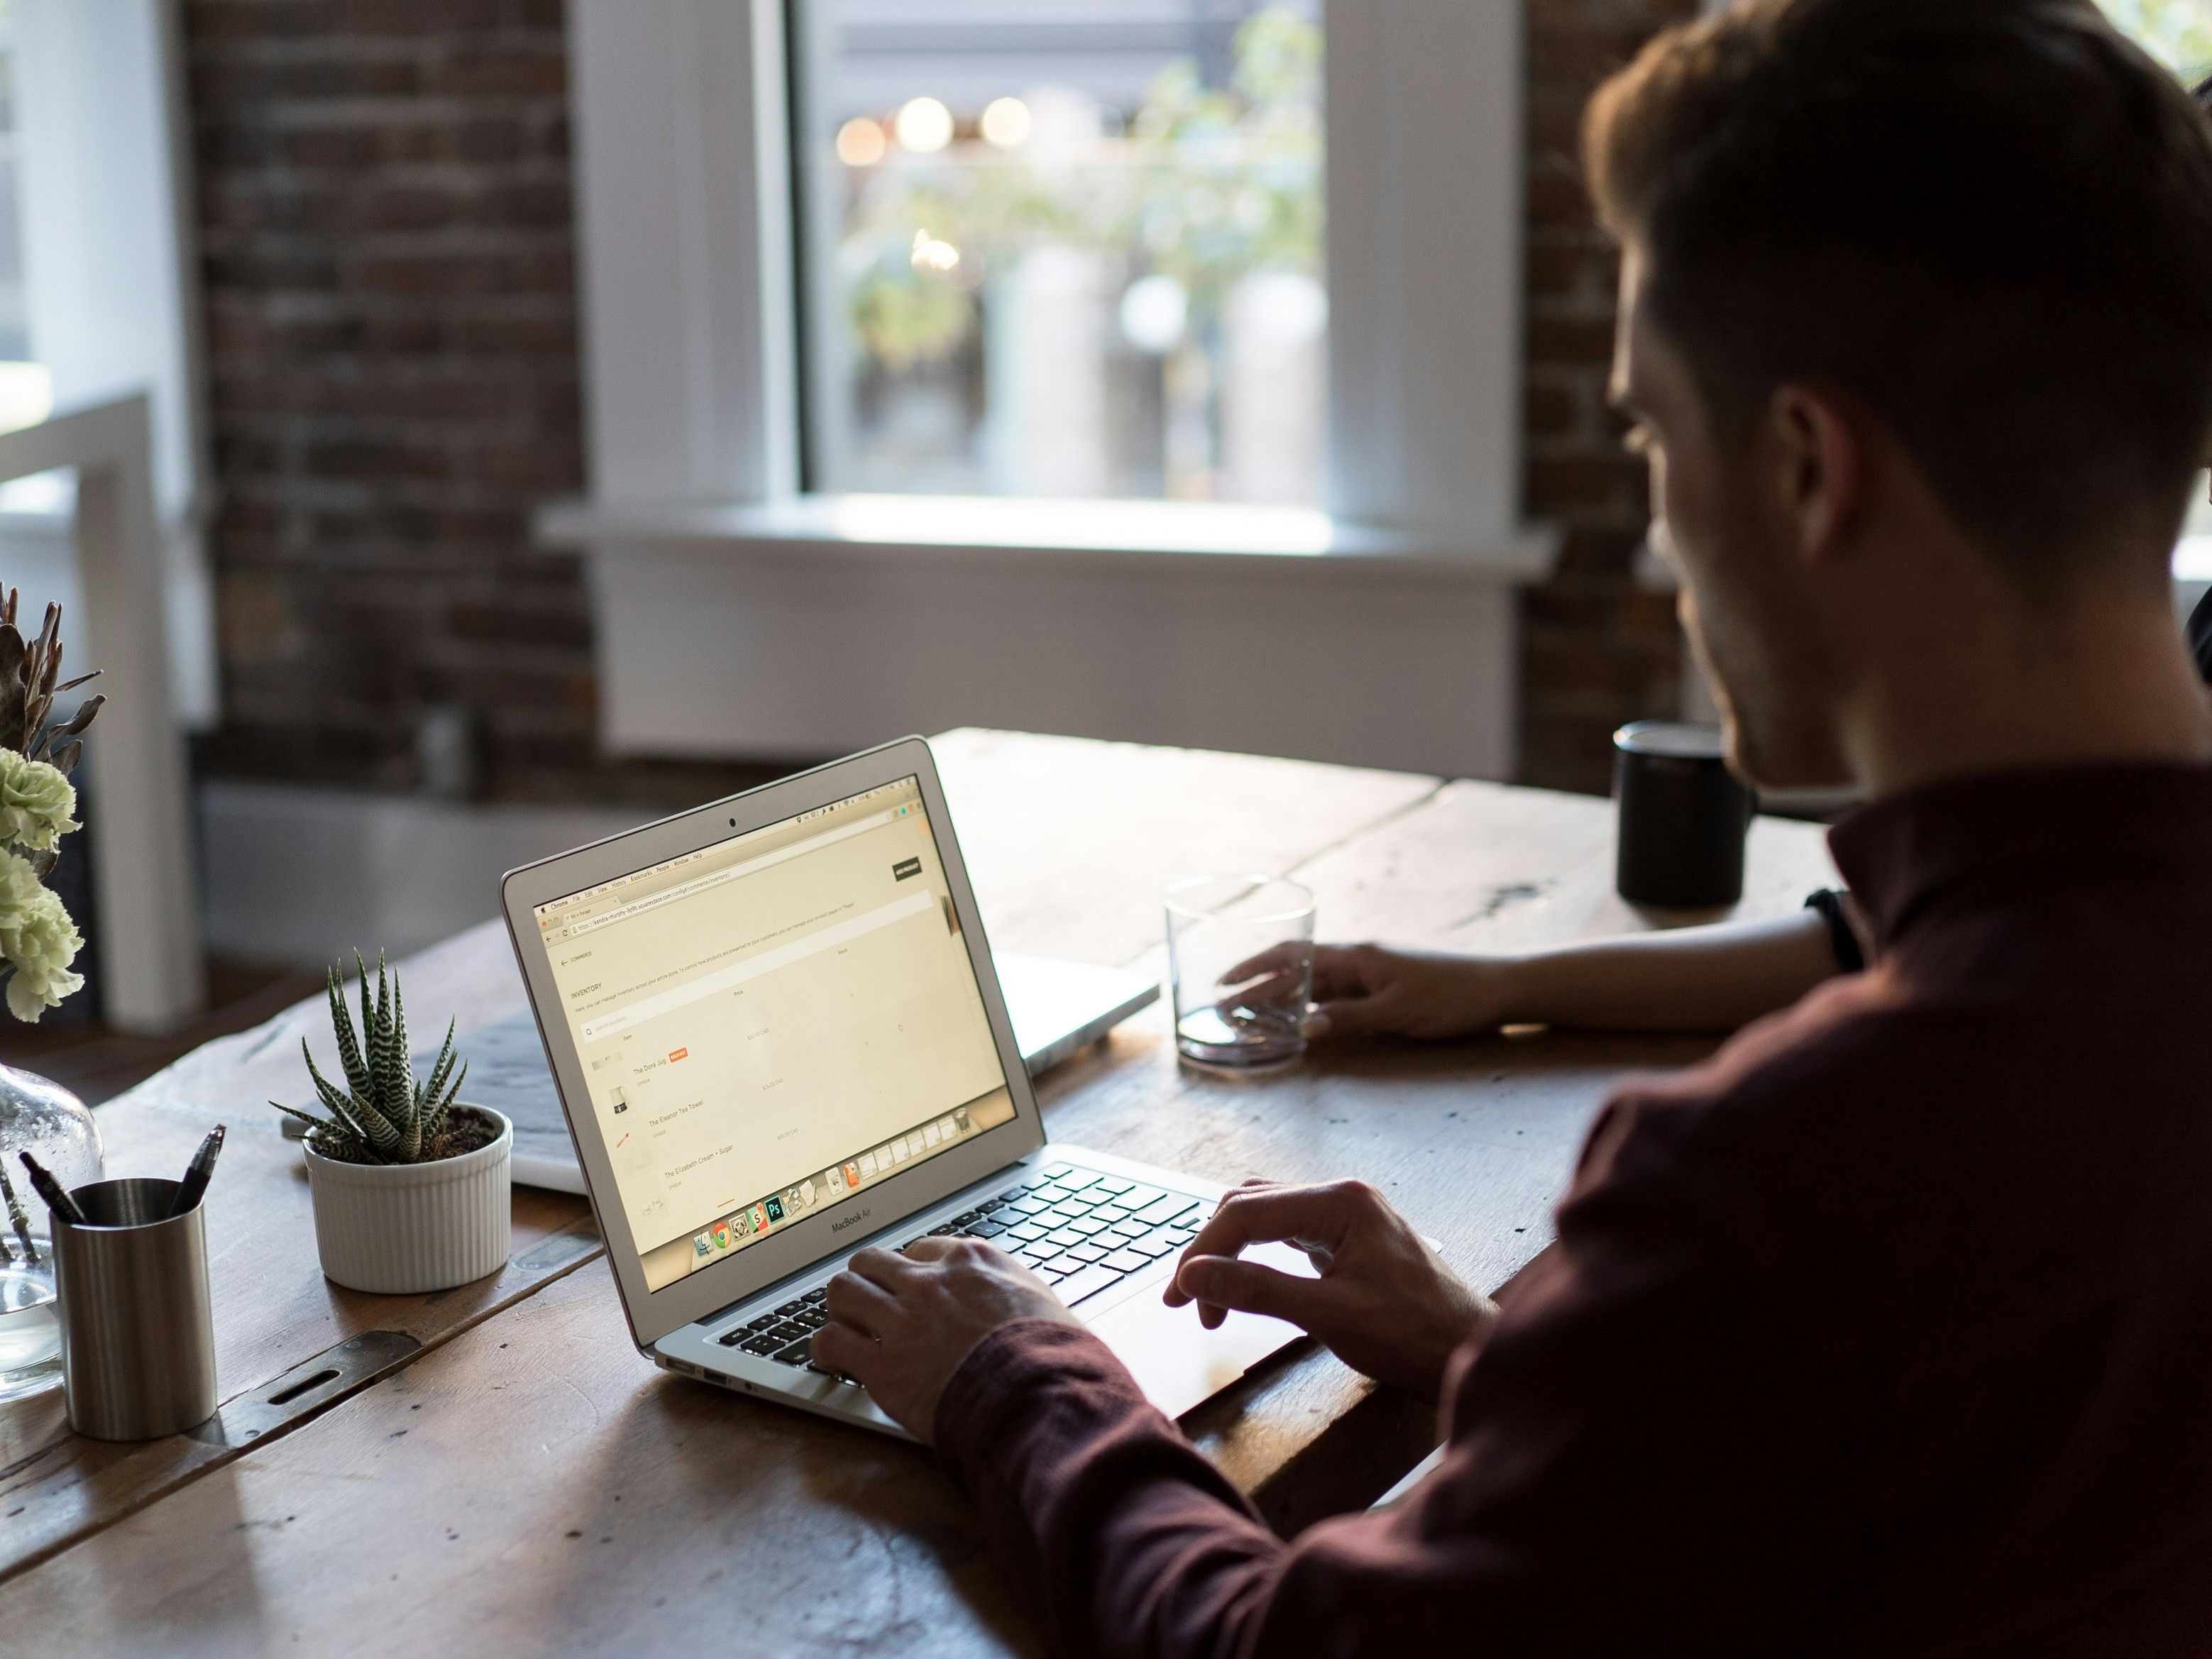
column 887, row 1230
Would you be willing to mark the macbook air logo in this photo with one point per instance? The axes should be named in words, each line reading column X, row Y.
column 859, row 1215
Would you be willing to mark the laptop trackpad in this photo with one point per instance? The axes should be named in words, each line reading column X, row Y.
column 1177, row 1362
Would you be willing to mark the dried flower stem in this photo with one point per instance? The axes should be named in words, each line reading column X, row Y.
column 20, row 1221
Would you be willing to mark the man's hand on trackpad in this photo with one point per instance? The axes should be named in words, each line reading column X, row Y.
column 1384, row 1303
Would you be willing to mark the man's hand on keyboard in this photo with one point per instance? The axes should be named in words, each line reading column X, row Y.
column 900, row 1324
column 1384, row 1304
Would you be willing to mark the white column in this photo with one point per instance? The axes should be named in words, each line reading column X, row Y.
column 1274, row 388
column 1047, row 357
column 151, row 974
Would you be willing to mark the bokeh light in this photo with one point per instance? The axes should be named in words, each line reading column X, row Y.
column 860, row 143
column 923, row 126
column 1155, row 314
column 931, row 255
column 1007, row 122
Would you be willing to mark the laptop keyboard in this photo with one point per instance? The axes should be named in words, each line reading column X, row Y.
column 1080, row 1231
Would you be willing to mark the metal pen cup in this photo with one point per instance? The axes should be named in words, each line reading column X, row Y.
column 137, row 1330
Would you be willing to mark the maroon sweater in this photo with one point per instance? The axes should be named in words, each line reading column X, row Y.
column 1889, row 1330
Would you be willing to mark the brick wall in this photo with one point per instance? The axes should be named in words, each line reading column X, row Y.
column 1596, row 650
column 387, row 241
column 387, row 237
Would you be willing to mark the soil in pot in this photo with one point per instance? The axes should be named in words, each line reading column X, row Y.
column 467, row 1128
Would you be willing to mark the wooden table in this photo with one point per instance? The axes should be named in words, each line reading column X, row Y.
column 493, row 1470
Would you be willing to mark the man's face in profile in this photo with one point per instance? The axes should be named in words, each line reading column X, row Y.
column 1744, row 600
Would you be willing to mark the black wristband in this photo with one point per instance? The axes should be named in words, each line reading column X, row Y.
column 1843, row 938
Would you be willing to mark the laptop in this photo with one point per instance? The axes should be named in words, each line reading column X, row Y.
column 1059, row 1009
column 778, row 1037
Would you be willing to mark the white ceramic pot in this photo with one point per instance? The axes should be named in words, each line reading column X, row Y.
column 403, row 1229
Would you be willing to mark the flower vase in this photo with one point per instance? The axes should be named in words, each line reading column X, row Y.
column 46, row 1120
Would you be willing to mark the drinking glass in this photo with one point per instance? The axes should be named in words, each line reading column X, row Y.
column 1240, row 957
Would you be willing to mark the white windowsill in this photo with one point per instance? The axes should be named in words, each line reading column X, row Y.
column 1261, row 541
column 2192, row 560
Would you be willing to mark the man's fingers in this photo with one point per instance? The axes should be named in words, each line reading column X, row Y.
column 934, row 1247
column 839, row 1347
column 1248, row 1287
column 865, row 1307
column 1338, row 971
column 1236, row 990
column 1261, row 1215
column 1275, row 959
column 884, row 1269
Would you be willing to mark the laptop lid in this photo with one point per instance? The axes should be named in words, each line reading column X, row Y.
column 774, row 1028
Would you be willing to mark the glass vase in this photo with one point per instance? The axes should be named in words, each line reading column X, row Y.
column 46, row 1120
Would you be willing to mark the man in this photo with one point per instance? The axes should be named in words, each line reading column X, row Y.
column 1890, row 1329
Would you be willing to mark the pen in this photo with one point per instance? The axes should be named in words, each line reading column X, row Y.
column 47, row 1188
column 194, row 1185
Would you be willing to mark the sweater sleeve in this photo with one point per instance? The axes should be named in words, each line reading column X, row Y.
column 1590, row 1484
column 1131, row 1540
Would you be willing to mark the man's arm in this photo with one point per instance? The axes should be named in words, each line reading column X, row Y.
column 1687, row 979
column 904, row 1322
column 1613, row 1454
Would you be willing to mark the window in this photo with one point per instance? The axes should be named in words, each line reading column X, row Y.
column 2178, row 33
column 1063, row 247
column 740, row 609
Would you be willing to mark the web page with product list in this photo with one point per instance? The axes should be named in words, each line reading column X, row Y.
column 773, row 1023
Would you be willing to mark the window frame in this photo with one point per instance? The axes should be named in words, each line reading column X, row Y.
column 688, row 204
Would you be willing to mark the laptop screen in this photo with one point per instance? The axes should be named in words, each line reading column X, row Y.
column 773, row 1023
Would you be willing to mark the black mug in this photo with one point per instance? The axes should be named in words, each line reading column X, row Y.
column 1683, row 816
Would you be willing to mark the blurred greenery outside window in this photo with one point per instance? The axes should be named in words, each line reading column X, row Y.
column 2179, row 33
column 1053, row 293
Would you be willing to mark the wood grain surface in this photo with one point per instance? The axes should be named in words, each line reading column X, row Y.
column 1070, row 843
column 525, row 1483
column 533, row 1487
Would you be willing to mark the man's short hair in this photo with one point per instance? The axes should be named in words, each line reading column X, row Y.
column 1989, row 220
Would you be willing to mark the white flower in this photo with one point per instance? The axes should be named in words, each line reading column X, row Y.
column 37, row 939
column 36, row 800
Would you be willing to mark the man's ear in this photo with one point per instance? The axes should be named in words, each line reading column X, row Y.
column 1819, row 468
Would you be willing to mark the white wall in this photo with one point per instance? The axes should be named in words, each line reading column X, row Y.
column 706, row 653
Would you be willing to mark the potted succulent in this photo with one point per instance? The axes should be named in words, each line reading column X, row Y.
column 410, row 1183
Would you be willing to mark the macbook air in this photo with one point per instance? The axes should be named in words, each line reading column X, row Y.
column 777, row 1037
